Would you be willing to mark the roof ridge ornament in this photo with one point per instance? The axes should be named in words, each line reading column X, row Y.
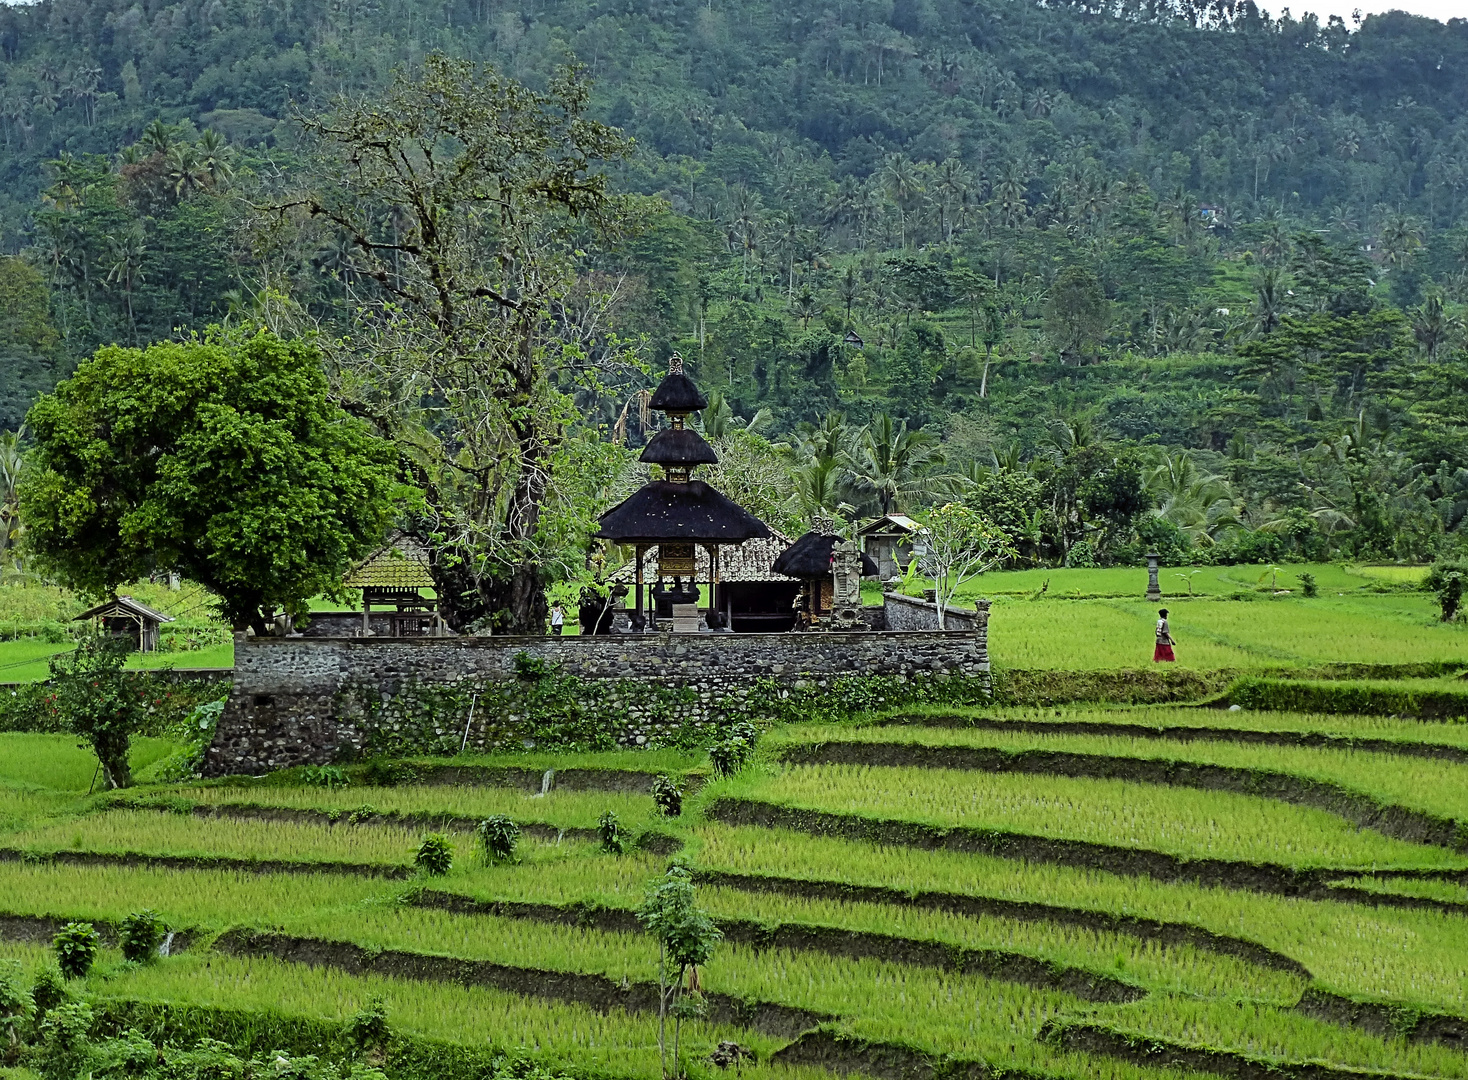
column 675, row 363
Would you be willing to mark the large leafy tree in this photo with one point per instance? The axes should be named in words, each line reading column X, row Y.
column 220, row 458
column 464, row 198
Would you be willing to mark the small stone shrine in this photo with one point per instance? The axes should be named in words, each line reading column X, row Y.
column 812, row 559
column 677, row 514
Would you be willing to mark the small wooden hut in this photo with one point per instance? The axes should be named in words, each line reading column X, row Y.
column 392, row 579
column 890, row 542
column 124, row 617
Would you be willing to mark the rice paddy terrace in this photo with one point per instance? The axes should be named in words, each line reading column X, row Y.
column 1143, row 893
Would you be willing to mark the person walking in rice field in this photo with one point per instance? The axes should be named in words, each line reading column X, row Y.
column 1163, row 652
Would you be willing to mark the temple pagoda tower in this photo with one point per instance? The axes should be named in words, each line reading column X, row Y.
column 677, row 513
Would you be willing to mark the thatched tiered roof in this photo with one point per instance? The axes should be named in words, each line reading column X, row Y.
column 668, row 511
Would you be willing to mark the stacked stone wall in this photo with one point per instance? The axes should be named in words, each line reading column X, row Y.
column 309, row 700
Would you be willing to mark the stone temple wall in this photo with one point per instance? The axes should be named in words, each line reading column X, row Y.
column 314, row 700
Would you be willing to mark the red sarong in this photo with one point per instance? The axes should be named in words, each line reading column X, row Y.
column 1163, row 652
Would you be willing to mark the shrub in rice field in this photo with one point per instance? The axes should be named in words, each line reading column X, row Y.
column 140, row 934
column 435, row 855
column 76, row 949
column 498, row 836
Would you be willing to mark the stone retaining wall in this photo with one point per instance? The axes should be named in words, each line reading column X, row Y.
column 911, row 613
column 315, row 700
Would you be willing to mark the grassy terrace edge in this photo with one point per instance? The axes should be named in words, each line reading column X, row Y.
column 1357, row 807
column 1263, row 877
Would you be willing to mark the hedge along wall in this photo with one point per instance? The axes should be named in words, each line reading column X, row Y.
column 299, row 701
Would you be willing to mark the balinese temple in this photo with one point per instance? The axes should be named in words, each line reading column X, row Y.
column 677, row 515
column 809, row 559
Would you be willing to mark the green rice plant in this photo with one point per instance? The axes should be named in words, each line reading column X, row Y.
column 1407, row 956
column 941, row 1011
column 1285, row 632
column 76, row 946
column 1449, row 892
column 563, row 809
column 182, row 898
column 1181, row 822
column 497, row 837
column 1436, row 787
column 1278, row 1035
column 1444, row 733
column 435, row 855
column 663, row 759
column 140, row 933
column 151, row 832
column 55, row 762
column 555, row 1034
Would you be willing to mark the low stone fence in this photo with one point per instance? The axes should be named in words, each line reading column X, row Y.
column 910, row 613
column 313, row 700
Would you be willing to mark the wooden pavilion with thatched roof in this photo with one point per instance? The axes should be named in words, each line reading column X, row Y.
column 393, row 577
column 678, row 515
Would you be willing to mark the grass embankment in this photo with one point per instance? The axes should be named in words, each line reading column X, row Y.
column 1183, row 823
column 1434, row 787
column 1179, row 723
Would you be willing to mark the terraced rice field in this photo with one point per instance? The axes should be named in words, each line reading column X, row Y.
column 1148, row 894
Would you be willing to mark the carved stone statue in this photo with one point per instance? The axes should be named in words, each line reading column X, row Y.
column 846, row 597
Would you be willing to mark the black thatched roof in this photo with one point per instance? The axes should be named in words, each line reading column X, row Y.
column 666, row 510
column 810, row 557
column 678, row 446
column 677, row 394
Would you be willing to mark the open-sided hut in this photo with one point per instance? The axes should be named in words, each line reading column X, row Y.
column 749, row 597
column 678, row 515
column 393, row 578
column 124, row 617
column 809, row 560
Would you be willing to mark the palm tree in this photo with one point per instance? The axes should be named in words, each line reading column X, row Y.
column 215, row 158
column 893, row 465
column 12, row 465
column 157, row 137
column 1269, row 300
column 127, row 253
column 1399, row 239
column 1434, row 327
column 848, row 288
column 1200, row 504
column 903, row 184
column 818, row 486
column 719, row 421
column 806, row 307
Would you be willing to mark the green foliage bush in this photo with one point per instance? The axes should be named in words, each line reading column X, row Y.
column 609, row 830
column 140, row 934
column 667, row 793
column 324, row 776
column 368, row 1028
column 435, row 855
column 1446, row 580
column 16, row 1005
column 48, row 991
column 76, row 947
column 498, row 836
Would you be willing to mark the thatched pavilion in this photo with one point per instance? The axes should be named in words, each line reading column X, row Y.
column 678, row 514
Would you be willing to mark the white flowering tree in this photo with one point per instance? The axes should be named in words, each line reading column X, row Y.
column 961, row 545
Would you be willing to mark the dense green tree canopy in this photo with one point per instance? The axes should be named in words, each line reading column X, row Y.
column 219, row 458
